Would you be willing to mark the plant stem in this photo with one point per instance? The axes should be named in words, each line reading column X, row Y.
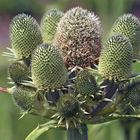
column 3, row 90
column 76, row 134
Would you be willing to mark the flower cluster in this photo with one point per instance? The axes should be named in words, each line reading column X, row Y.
column 61, row 71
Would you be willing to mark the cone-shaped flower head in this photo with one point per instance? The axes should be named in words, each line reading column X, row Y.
column 86, row 83
column 116, row 58
column 133, row 95
column 129, row 25
column 79, row 36
column 49, row 23
column 19, row 72
column 25, row 35
column 68, row 106
column 48, row 68
column 24, row 96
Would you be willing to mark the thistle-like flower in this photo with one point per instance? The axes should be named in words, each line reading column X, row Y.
column 25, row 35
column 78, row 35
column 68, row 109
column 25, row 97
column 19, row 72
column 49, row 23
column 129, row 25
column 86, row 84
column 116, row 58
column 48, row 68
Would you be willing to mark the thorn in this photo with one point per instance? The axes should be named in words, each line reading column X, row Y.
column 85, row 112
column 64, row 88
column 73, row 78
column 74, row 123
column 98, row 93
column 52, row 90
column 82, row 102
column 10, row 49
column 30, row 84
column 59, row 89
column 60, row 120
column 8, row 78
column 69, row 86
column 79, row 95
column 92, row 96
column 55, row 115
column 107, row 100
column 67, row 124
column 102, row 87
column 11, row 82
column 23, row 114
column 72, row 70
column 95, row 66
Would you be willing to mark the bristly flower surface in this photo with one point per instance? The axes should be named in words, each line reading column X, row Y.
column 78, row 35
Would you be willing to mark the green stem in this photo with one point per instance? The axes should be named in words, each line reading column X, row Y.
column 76, row 134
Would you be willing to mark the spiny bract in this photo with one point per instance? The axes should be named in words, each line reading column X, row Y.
column 68, row 106
column 116, row 58
column 19, row 72
column 79, row 36
column 86, row 84
column 24, row 96
column 129, row 26
column 25, row 35
column 49, row 24
column 48, row 68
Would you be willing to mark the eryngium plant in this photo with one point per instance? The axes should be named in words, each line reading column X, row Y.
column 61, row 81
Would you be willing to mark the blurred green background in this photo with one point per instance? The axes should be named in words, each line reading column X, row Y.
column 11, row 128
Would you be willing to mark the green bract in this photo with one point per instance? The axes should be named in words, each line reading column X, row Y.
column 68, row 106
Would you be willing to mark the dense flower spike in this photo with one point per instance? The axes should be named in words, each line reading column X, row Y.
column 25, row 35
column 19, row 72
column 79, row 36
column 24, row 97
column 48, row 68
column 86, row 84
column 49, row 24
column 129, row 25
column 116, row 58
